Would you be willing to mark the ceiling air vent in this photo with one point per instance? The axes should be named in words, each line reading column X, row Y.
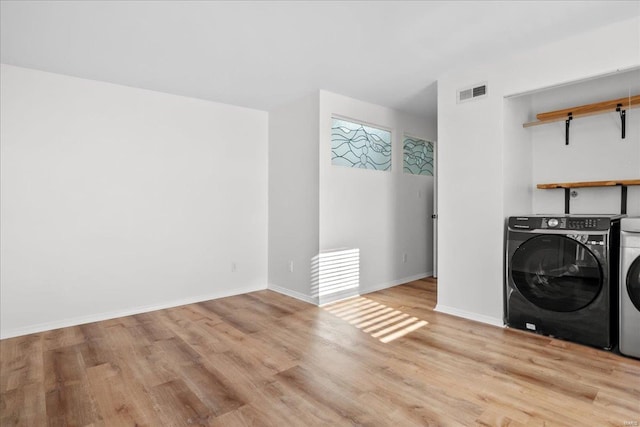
column 474, row 92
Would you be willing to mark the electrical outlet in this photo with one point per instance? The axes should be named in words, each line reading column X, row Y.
column 234, row 267
column 404, row 258
column 290, row 266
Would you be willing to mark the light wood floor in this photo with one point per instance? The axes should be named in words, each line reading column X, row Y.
column 266, row 359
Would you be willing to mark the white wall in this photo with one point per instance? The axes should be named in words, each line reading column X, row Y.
column 517, row 166
column 293, row 196
column 316, row 208
column 470, row 201
column 473, row 177
column 383, row 214
column 118, row 200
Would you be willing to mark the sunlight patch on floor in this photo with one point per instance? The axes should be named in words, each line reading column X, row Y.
column 381, row 322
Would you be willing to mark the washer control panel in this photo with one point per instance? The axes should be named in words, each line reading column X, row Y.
column 560, row 222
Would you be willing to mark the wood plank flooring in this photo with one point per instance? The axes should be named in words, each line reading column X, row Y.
column 383, row 359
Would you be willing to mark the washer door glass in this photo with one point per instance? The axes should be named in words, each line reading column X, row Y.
column 633, row 283
column 556, row 273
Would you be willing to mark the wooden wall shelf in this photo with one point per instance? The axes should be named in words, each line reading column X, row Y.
column 583, row 184
column 567, row 186
column 568, row 114
column 586, row 110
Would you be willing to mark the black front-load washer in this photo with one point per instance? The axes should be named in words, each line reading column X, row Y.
column 561, row 276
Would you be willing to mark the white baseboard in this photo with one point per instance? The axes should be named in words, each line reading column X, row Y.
column 293, row 294
column 81, row 320
column 401, row 281
column 469, row 315
column 362, row 291
column 338, row 296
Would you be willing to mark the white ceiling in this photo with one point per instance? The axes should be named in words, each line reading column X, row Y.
column 264, row 53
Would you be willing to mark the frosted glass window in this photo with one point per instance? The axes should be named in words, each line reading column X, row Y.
column 418, row 156
column 358, row 146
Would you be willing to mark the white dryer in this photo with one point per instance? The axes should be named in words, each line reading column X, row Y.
column 629, row 338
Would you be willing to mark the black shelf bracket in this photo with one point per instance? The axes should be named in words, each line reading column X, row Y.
column 623, row 199
column 623, row 119
column 566, row 128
